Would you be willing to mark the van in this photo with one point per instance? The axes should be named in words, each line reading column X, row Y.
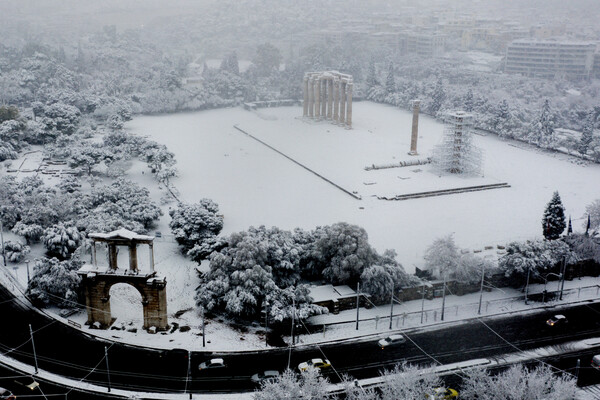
column 596, row 361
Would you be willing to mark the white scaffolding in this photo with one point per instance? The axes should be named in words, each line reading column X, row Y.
column 457, row 154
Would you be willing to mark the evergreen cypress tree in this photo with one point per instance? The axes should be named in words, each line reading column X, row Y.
column 587, row 135
column 372, row 76
column 554, row 223
column 468, row 101
column 437, row 97
column 390, row 83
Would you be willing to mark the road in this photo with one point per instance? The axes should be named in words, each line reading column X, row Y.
column 66, row 351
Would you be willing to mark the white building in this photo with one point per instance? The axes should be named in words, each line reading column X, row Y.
column 550, row 58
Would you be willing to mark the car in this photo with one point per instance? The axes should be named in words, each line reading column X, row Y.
column 441, row 393
column 557, row 320
column 28, row 382
column 318, row 363
column 596, row 361
column 391, row 340
column 265, row 376
column 212, row 364
column 6, row 394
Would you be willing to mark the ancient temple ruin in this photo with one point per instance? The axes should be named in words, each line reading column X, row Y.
column 97, row 280
column 328, row 96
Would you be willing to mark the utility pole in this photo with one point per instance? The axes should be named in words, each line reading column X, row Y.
column 481, row 289
column 527, row 284
column 293, row 320
column 577, row 371
column 422, row 301
column 27, row 263
column 564, row 272
column 2, row 241
column 357, row 303
column 444, row 297
column 392, row 306
column 189, row 372
column 203, row 330
column 33, row 345
column 107, row 370
column 266, row 323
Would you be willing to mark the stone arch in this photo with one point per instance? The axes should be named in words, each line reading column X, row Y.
column 97, row 281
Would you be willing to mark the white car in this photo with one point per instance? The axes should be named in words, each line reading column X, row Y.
column 391, row 340
column 212, row 364
column 557, row 320
column 266, row 376
column 318, row 363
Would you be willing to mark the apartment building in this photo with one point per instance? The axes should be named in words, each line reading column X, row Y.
column 550, row 58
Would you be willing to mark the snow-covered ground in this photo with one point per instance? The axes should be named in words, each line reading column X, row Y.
column 254, row 185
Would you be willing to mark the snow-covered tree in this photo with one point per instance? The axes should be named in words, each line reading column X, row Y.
column 593, row 211
column 69, row 184
column 61, row 240
column 309, row 385
column 32, row 232
column 86, row 156
column 55, row 282
column 195, row 226
column 267, row 59
column 536, row 256
column 379, row 279
column 372, row 80
column 468, row 101
column 586, row 247
column 341, row 252
column 230, row 64
column 437, row 98
column 470, row 268
column 442, row 257
column 587, row 134
column 14, row 251
column 542, row 131
column 554, row 221
column 517, row 383
column 409, row 382
column 390, row 83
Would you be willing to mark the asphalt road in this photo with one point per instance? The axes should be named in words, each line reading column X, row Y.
column 68, row 352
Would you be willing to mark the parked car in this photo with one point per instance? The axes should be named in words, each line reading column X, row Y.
column 6, row 394
column 391, row 340
column 596, row 361
column 212, row 364
column 443, row 394
column 314, row 363
column 557, row 320
column 265, row 376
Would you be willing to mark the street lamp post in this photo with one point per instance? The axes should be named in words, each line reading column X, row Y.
column 527, row 284
column 422, row 301
column 444, row 297
column 481, row 288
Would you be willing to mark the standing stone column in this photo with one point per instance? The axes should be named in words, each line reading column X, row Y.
column 133, row 263
column 324, row 98
column 415, row 128
column 336, row 99
column 342, row 102
column 349, row 106
column 305, row 91
column 329, row 97
column 311, row 97
column 317, row 98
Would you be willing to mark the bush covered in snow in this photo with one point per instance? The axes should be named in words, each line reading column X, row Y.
column 61, row 240
column 264, row 267
column 537, row 257
column 55, row 282
column 196, row 226
column 14, row 251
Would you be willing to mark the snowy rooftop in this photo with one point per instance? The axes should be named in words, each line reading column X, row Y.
column 120, row 234
column 330, row 292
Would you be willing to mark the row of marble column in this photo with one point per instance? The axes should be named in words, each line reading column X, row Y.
column 328, row 97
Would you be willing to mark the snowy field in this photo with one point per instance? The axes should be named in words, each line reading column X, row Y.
column 254, row 185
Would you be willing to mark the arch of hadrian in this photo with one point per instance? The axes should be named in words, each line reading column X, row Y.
column 328, row 95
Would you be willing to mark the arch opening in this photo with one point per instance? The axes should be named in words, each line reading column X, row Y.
column 126, row 306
